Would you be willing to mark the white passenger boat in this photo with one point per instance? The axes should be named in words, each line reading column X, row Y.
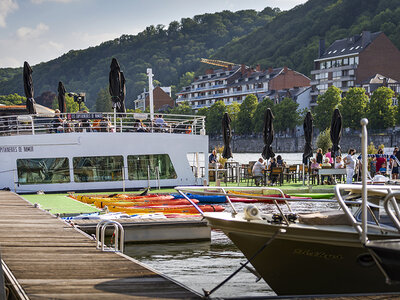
column 334, row 252
column 94, row 151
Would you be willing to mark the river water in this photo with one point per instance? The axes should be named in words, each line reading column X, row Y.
column 203, row 265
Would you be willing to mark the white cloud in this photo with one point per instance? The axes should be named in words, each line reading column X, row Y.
column 6, row 7
column 31, row 33
column 59, row 1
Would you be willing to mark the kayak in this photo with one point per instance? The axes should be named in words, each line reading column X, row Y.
column 173, row 202
column 189, row 209
column 120, row 197
column 203, row 198
column 315, row 195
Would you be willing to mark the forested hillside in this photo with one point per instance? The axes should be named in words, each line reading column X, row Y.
column 270, row 38
column 291, row 39
column 170, row 51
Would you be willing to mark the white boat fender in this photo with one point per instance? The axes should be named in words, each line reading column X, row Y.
column 251, row 212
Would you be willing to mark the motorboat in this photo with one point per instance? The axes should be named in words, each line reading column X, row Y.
column 352, row 249
column 100, row 151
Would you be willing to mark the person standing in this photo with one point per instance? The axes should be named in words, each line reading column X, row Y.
column 350, row 164
column 319, row 157
column 394, row 164
column 329, row 155
column 380, row 159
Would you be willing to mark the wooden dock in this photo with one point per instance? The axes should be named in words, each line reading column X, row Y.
column 45, row 258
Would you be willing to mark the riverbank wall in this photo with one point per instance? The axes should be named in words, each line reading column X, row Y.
column 254, row 144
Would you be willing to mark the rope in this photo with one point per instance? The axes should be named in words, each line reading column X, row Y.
column 208, row 293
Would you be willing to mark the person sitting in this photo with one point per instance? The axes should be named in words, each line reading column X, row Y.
column 141, row 127
column 57, row 122
column 383, row 169
column 273, row 164
column 329, row 155
column 212, row 159
column 326, row 165
column 257, row 171
column 279, row 161
column 339, row 162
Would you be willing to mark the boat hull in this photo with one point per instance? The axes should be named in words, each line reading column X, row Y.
column 305, row 261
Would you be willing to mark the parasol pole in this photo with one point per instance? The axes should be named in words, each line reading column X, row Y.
column 150, row 75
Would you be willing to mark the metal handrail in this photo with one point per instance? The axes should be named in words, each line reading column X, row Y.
column 127, row 122
column 187, row 189
column 117, row 229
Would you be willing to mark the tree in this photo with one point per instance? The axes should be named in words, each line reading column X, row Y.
column 286, row 115
column 182, row 109
column 258, row 118
column 214, row 117
column 103, row 101
column 233, row 111
column 353, row 107
column 397, row 111
column 380, row 109
column 245, row 116
column 12, row 99
column 326, row 104
column 72, row 106
column 324, row 140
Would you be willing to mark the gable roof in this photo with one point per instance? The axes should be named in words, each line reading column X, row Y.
column 348, row 46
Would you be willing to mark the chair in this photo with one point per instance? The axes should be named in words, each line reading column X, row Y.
column 300, row 174
column 291, row 173
column 276, row 173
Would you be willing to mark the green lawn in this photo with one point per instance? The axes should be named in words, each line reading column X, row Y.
column 61, row 203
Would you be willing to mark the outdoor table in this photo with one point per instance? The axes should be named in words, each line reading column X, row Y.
column 331, row 172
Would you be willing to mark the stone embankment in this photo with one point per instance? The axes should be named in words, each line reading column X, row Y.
column 249, row 144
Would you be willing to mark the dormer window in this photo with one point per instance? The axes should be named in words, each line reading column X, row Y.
column 343, row 49
column 357, row 47
column 334, row 51
column 329, row 52
column 351, row 48
column 246, row 79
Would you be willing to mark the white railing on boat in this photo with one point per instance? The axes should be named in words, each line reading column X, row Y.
column 101, row 122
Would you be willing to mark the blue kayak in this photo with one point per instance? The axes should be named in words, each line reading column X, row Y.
column 203, row 198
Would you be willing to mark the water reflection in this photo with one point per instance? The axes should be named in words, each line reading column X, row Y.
column 202, row 265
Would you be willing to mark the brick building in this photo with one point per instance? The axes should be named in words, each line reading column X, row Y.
column 351, row 61
column 161, row 98
column 236, row 82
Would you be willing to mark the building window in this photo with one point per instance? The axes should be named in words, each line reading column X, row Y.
column 356, row 60
column 43, row 170
column 351, row 60
column 328, row 64
column 142, row 166
column 336, row 75
column 98, row 168
column 345, row 61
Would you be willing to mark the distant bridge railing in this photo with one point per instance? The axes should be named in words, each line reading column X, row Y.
column 101, row 122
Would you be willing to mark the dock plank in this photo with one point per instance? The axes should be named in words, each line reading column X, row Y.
column 51, row 259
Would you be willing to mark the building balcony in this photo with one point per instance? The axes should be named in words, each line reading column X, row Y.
column 335, row 69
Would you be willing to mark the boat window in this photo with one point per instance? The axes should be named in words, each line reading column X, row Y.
column 43, row 170
column 98, row 168
column 142, row 166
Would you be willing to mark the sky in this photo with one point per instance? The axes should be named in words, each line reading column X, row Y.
column 41, row 30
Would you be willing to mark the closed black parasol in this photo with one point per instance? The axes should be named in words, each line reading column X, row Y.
column 308, row 133
column 62, row 106
column 336, row 132
column 122, row 95
column 227, row 135
column 268, row 133
column 28, row 87
column 115, row 84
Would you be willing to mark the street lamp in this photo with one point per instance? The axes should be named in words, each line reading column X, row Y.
column 79, row 98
